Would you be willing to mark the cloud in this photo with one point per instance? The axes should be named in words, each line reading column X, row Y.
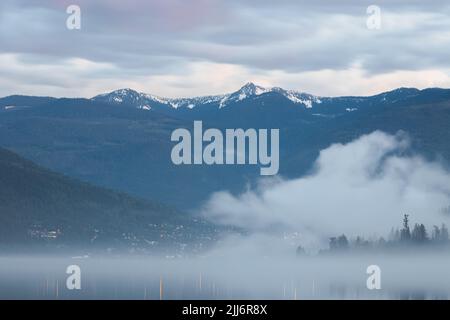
column 360, row 188
column 149, row 39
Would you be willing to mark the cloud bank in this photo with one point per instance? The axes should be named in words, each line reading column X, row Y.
column 360, row 188
column 186, row 48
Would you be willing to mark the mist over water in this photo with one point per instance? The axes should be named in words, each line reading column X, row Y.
column 404, row 276
column 361, row 189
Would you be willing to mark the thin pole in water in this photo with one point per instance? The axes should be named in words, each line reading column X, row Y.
column 160, row 288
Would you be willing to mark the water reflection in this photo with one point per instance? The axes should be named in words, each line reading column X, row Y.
column 406, row 277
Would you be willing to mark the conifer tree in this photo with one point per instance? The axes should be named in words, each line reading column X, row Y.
column 405, row 233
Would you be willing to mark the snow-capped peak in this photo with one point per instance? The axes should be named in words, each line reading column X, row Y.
column 249, row 90
column 130, row 97
column 118, row 96
column 252, row 89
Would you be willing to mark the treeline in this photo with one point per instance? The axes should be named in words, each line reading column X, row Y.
column 417, row 236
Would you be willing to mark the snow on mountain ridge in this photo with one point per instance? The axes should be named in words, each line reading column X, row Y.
column 144, row 100
column 251, row 90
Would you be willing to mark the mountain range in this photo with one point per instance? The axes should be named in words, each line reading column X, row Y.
column 250, row 90
column 121, row 140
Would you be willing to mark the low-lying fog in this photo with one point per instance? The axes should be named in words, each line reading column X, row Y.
column 363, row 188
column 403, row 276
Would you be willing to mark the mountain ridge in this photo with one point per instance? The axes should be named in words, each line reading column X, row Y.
column 125, row 148
column 147, row 101
column 44, row 208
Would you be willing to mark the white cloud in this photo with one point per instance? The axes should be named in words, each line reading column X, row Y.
column 363, row 187
column 161, row 48
column 355, row 81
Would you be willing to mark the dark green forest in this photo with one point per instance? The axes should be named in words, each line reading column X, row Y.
column 38, row 207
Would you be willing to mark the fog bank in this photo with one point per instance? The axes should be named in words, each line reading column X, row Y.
column 360, row 188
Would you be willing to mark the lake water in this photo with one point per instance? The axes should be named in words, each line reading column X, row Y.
column 409, row 276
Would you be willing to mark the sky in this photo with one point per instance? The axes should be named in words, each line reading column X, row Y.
column 179, row 48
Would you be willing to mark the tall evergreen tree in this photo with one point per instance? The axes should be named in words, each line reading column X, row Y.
column 342, row 242
column 423, row 233
column 444, row 233
column 419, row 234
column 405, row 233
column 436, row 234
column 415, row 234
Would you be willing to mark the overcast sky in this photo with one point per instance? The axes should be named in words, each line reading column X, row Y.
column 179, row 48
